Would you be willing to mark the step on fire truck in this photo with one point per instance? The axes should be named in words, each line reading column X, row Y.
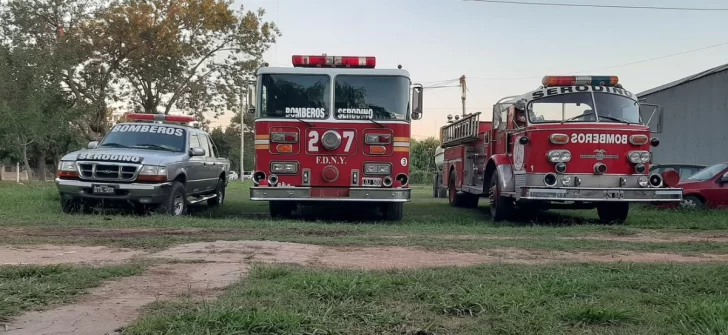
column 576, row 142
column 333, row 130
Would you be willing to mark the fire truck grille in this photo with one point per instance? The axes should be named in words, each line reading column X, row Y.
column 105, row 171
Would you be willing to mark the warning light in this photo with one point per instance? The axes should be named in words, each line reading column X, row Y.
column 549, row 81
column 160, row 117
column 334, row 61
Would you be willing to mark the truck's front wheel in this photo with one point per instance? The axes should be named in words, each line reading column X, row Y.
column 393, row 211
column 500, row 207
column 613, row 212
column 176, row 203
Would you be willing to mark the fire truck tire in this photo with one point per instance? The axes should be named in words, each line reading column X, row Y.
column 500, row 207
column 393, row 211
column 436, row 186
column 281, row 209
column 613, row 212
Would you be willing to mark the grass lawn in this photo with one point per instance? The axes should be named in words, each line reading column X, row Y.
column 33, row 287
column 31, row 214
column 497, row 299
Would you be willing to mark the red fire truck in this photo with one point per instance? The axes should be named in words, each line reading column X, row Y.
column 577, row 142
column 333, row 129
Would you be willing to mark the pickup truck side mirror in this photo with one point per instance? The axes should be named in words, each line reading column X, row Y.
column 197, row 152
column 92, row 144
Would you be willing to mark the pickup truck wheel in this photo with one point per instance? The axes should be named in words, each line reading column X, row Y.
column 176, row 203
column 613, row 212
column 220, row 194
column 393, row 211
column 500, row 207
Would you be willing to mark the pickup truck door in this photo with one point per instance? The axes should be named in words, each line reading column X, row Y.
column 210, row 167
column 195, row 168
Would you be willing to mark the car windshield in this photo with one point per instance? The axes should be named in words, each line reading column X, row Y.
column 367, row 97
column 298, row 96
column 584, row 107
column 146, row 136
column 709, row 172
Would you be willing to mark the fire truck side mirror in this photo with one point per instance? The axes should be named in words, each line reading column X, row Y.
column 251, row 99
column 417, row 101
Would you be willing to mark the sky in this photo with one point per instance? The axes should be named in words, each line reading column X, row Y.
column 502, row 49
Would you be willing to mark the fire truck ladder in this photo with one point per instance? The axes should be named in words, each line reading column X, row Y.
column 462, row 131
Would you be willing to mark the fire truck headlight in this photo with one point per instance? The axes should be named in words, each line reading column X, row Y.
column 67, row 166
column 284, row 167
column 559, row 156
column 554, row 156
column 153, row 170
column 565, row 156
column 645, row 156
column 642, row 181
column 634, row 157
column 377, row 169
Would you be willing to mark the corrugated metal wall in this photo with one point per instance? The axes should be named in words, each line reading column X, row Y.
column 695, row 121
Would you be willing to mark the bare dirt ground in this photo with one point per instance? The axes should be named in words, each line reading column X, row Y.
column 211, row 266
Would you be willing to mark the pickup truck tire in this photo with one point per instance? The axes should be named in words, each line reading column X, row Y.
column 176, row 202
column 613, row 212
column 393, row 211
column 220, row 192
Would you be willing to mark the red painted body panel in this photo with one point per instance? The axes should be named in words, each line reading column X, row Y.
column 310, row 153
column 535, row 152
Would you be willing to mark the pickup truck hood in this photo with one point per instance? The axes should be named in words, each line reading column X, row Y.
column 122, row 155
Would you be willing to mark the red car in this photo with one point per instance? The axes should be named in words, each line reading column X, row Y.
column 707, row 188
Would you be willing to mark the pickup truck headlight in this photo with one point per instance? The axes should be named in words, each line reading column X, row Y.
column 67, row 166
column 153, row 170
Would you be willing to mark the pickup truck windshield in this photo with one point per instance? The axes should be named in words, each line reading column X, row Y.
column 297, row 96
column 146, row 136
column 364, row 97
column 584, row 107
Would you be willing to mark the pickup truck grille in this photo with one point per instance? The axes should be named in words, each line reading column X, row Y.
column 108, row 171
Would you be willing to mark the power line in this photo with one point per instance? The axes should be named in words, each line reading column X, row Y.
column 597, row 6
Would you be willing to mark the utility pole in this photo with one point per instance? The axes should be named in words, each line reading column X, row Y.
column 242, row 132
column 464, row 89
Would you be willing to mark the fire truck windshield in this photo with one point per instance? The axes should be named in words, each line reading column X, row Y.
column 584, row 107
column 145, row 136
column 297, row 96
column 367, row 97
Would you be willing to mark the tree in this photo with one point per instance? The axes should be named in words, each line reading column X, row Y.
column 195, row 55
column 422, row 154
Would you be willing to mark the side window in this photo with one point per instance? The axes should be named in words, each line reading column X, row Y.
column 204, row 143
column 504, row 117
column 213, row 148
column 194, row 141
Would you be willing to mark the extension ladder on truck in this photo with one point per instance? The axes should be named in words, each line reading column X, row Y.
column 462, row 131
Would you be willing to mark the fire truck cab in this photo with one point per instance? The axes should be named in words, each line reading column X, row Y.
column 333, row 129
column 577, row 142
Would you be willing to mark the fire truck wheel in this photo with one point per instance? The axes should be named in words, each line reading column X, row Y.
column 465, row 200
column 393, row 211
column 436, row 186
column 281, row 209
column 613, row 212
column 500, row 206
column 220, row 194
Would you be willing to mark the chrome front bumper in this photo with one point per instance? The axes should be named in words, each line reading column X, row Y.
column 145, row 193
column 602, row 194
column 355, row 194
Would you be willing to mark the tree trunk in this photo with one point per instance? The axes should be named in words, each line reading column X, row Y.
column 28, row 170
column 41, row 165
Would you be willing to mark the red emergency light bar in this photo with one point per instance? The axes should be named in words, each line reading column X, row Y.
column 334, row 61
column 579, row 80
column 160, row 117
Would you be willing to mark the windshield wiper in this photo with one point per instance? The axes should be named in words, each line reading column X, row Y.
column 304, row 121
column 153, row 146
column 614, row 119
column 116, row 145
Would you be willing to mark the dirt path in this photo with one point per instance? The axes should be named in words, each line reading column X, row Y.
column 215, row 265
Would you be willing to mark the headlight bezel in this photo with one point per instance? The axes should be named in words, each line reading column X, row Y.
column 153, row 170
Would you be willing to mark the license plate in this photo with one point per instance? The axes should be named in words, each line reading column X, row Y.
column 613, row 194
column 103, row 189
column 372, row 182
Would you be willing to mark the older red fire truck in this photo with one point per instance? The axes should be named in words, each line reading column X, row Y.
column 576, row 142
column 333, row 129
